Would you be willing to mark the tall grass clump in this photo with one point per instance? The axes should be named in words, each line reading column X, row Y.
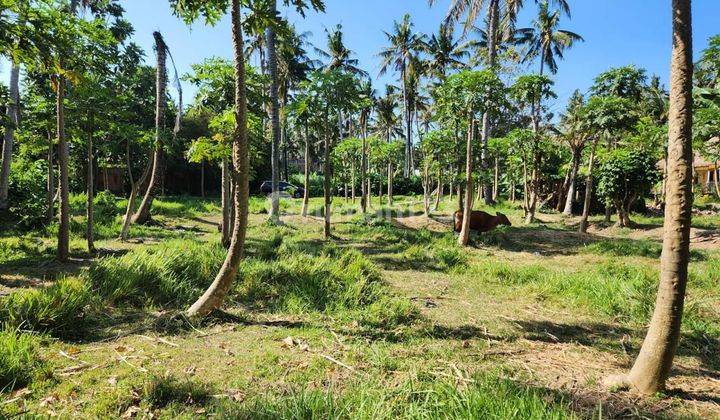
column 173, row 273
column 440, row 254
column 20, row 361
column 339, row 282
column 487, row 397
column 57, row 309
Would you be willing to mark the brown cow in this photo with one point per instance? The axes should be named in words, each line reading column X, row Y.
column 481, row 221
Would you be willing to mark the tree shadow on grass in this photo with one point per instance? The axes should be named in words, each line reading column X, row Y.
column 605, row 337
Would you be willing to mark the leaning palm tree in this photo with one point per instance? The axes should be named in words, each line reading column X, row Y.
column 546, row 41
column 401, row 54
column 652, row 366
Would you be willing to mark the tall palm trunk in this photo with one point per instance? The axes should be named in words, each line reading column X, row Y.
column 408, row 123
column 493, row 24
column 468, row 204
column 63, row 247
column 143, row 213
column 90, row 186
column 214, row 296
column 653, row 364
column 13, row 115
column 363, row 167
column 571, row 187
column 274, row 121
column 588, row 190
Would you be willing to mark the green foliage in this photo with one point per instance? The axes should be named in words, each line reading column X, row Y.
column 532, row 89
column 626, row 82
column 626, row 175
column 172, row 274
column 27, row 196
column 340, row 283
column 58, row 309
column 20, row 361
column 487, row 396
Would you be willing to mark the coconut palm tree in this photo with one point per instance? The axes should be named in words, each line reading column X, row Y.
column 546, row 41
column 652, row 366
column 338, row 55
column 404, row 45
column 387, row 124
column 367, row 97
column 445, row 52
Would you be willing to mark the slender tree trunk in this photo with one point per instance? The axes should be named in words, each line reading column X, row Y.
column 534, row 189
column 426, row 190
column 352, row 180
column 306, row 195
column 440, row 190
column 468, row 205
column 63, row 247
column 408, row 123
column 390, row 171
column 226, row 192
column 90, row 186
column 365, row 196
column 13, row 115
column 588, row 190
column 571, row 187
column 50, row 181
column 143, row 213
column 653, row 364
column 496, row 180
column 274, row 120
column 214, row 296
column 326, row 183
column 526, row 191
column 134, row 189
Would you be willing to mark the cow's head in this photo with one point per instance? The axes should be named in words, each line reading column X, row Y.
column 503, row 219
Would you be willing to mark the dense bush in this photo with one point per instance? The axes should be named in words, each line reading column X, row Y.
column 316, row 183
column 27, row 196
column 57, row 309
column 20, row 362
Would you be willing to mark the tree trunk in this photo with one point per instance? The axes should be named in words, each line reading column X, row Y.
column 390, row 184
column 571, row 187
column 439, row 191
column 13, row 116
column 653, row 364
column 306, row 184
column 134, row 189
column 50, row 181
column 63, row 247
column 226, row 199
column 408, row 123
column 534, row 189
column 365, row 196
column 464, row 237
column 214, row 296
column 143, row 213
column 352, row 180
column 426, row 190
column 588, row 190
column 496, row 180
column 326, row 184
column 90, row 187
column 274, row 121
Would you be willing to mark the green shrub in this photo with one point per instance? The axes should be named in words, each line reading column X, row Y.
column 20, row 361
column 174, row 273
column 57, row 309
column 21, row 249
column 27, row 196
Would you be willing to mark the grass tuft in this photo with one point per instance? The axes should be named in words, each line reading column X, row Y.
column 20, row 362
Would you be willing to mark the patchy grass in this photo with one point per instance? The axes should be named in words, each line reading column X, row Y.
column 58, row 309
column 20, row 361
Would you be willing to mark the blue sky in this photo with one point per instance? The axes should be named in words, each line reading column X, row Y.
column 616, row 32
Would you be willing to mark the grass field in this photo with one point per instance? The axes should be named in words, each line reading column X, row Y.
column 388, row 319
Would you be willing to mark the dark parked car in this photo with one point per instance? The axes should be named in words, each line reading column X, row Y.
column 284, row 187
